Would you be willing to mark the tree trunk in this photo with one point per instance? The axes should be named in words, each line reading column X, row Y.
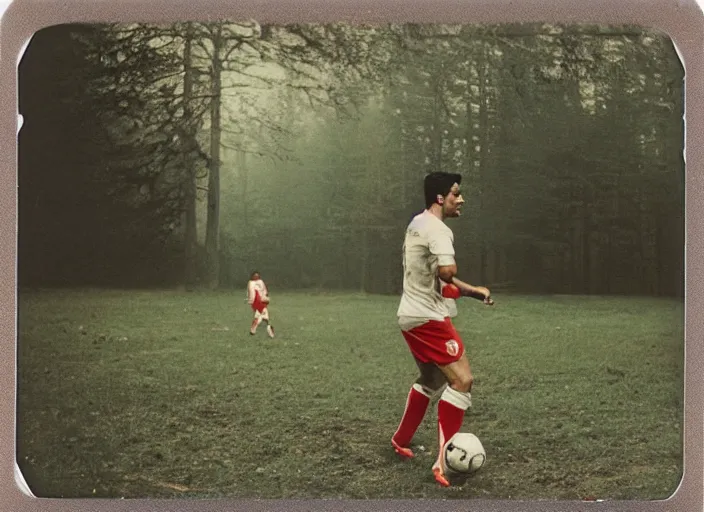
column 242, row 164
column 190, row 227
column 566, row 283
column 648, row 280
column 576, row 253
column 212, row 240
column 437, row 125
column 473, row 253
column 664, row 259
column 481, row 187
column 586, row 247
column 364, row 260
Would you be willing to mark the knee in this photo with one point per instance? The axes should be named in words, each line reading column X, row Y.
column 432, row 383
column 462, row 383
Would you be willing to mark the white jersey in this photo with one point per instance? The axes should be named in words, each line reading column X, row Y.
column 428, row 244
column 256, row 286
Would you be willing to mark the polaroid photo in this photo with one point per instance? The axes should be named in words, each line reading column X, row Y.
column 354, row 256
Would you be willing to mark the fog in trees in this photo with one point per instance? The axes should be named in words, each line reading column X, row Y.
column 187, row 155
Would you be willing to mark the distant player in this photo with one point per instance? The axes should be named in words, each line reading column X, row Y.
column 258, row 298
column 427, row 303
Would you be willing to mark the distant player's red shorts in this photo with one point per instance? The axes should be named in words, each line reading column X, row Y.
column 258, row 305
column 435, row 342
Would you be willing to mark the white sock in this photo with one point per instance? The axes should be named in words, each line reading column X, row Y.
column 457, row 398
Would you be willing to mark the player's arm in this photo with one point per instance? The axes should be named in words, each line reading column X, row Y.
column 442, row 245
column 476, row 292
column 448, row 274
column 250, row 292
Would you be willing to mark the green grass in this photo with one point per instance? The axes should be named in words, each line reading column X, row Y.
column 165, row 394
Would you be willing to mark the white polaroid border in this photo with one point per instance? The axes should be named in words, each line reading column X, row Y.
column 682, row 20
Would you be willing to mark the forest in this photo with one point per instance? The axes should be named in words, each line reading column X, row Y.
column 187, row 155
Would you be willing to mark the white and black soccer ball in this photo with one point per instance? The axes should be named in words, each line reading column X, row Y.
column 464, row 453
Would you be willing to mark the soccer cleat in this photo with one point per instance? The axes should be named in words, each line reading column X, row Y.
column 406, row 453
column 440, row 477
column 270, row 331
column 439, row 472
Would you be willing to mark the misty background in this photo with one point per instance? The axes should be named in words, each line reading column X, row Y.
column 190, row 154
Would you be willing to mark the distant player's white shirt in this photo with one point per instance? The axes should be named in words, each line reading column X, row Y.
column 256, row 286
column 429, row 243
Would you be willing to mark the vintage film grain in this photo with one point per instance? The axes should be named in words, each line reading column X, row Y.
column 681, row 20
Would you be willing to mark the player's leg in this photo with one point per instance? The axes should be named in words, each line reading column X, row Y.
column 453, row 403
column 269, row 327
column 429, row 383
column 255, row 322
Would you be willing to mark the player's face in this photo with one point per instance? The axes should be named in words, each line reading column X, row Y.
column 453, row 202
column 255, row 276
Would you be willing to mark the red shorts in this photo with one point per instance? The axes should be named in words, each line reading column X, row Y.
column 258, row 304
column 435, row 342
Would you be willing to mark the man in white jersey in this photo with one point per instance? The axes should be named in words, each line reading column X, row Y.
column 424, row 317
column 258, row 299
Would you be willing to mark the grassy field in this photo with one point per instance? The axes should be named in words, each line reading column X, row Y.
column 165, row 394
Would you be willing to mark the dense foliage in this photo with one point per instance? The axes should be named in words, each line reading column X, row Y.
column 193, row 153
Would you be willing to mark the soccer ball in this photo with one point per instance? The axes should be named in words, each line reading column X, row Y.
column 464, row 453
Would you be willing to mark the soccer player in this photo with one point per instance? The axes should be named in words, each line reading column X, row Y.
column 258, row 298
column 429, row 285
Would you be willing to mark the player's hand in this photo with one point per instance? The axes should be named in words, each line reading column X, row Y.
column 487, row 295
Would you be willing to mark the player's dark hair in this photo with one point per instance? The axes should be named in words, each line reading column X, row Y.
column 439, row 183
column 252, row 274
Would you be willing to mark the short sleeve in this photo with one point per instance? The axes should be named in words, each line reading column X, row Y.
column 440, row 243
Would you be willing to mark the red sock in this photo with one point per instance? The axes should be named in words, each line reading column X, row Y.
column 416, row 405
column 450, row 418
column 451, row 408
